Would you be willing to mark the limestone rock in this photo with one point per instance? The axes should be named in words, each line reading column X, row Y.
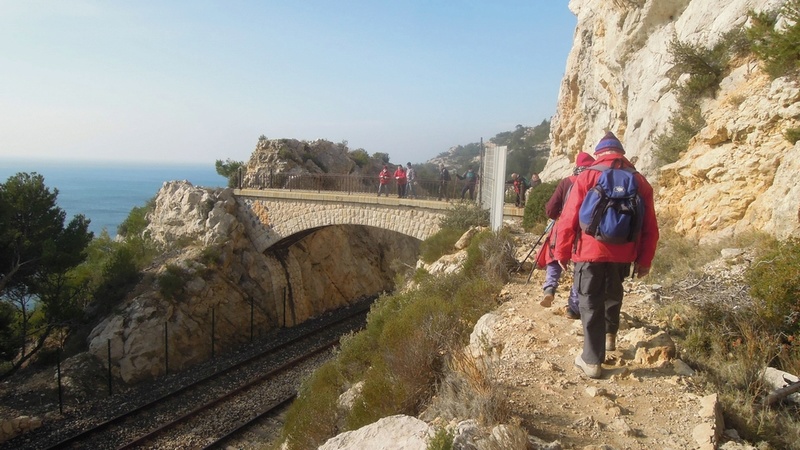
column 777, row 379
column 654, row 349
column 617, row 79
column 222, row 272
column 390, row 433
column 481, row 341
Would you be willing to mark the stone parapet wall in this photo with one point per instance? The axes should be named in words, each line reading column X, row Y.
column 270, row 216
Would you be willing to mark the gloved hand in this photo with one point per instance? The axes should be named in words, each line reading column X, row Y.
column 640, row 271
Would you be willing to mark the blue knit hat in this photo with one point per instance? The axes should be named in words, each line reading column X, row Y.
column 609, row 142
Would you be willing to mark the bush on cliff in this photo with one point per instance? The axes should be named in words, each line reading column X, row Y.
column 459, row 218
column 777, row 46
column 534, row 213
column 402, row 354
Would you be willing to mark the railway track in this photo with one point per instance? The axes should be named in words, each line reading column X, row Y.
column 215, row 407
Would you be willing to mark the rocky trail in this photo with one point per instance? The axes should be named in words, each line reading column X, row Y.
column 647, row 398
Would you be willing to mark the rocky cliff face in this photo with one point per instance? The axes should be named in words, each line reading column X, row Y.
column 737, row 172
column 222, row 271
column 276, row 160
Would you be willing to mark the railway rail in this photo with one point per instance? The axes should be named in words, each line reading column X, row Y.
column 213, row 407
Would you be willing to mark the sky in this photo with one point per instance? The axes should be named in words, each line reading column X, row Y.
column 194, row 82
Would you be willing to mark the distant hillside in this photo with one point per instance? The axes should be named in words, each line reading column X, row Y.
column 528, row 148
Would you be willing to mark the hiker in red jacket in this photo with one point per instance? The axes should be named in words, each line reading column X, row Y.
column 601, row 267
column 545, row 258
column 400, row 178
column 383, row 181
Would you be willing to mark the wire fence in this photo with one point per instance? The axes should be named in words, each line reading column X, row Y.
column 421, row 188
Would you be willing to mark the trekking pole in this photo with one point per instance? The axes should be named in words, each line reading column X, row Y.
column 547, row 229
column 549, row 225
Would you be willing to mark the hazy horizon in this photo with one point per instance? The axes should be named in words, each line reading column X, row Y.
column 158, row 82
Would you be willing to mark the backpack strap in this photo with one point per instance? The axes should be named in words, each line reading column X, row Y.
column 615, row 164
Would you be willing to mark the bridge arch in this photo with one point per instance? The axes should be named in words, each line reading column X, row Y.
column 273, row 216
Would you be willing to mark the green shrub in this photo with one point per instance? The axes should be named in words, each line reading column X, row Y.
column 441, row 440
column 684, row 124
column 491, row 255
column 535, row 207
column 400, row 356
column 439, row 244
column 792, row 135
column 172, row 281
column 360, row 157
column 312, row 424
column 731, row 347
column 775, row 280
column 9, row 347
column 211, row 256
column 120, row 273
column 779, row 49
column 706, row 67
column 136, row 222
column 463, row 216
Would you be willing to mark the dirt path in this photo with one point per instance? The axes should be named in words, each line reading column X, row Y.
column 637, row 404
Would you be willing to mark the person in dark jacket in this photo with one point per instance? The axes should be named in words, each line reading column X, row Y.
column 601, row 267
column 444, row 179
column 552, row 268
column 520, row 185
column 469, row 185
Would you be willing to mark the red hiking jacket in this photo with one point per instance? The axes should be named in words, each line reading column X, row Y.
column 400, row 176
column 579, row 247
column 553, row 210
column 384, row 176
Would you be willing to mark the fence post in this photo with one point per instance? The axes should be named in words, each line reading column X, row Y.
column 213, row 326
column 110, row 391
column 166, row 350
column 58, row 371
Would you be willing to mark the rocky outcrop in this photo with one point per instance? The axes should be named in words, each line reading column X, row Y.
column 10, row 428
column 275, row 161
column 616, row 79
column 221, row 273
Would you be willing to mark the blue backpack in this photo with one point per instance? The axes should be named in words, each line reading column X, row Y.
column 612, row 210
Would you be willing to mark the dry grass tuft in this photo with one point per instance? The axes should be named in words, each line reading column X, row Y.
column 469, row 390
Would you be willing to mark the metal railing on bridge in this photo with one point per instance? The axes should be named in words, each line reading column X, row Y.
column 426, row 189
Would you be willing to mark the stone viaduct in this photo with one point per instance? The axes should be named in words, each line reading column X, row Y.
column 276, row 215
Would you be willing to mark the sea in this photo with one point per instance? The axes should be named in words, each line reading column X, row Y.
column 106, row 192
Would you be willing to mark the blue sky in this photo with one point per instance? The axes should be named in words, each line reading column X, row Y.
column 192, row 82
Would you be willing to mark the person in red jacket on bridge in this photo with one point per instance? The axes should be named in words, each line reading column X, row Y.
column 400, row 178
column 601, row 267
column 383, row 181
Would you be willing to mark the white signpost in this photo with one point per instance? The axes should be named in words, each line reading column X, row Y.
column 493, row 194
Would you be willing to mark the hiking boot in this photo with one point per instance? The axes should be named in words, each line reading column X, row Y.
column 611, row 341
column 591, row 370
column 549, row 295
column 571, row 314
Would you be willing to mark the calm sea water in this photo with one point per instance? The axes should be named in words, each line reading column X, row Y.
column 106, row 192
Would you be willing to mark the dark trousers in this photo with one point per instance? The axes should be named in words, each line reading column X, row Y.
column 599, row 287
column 443, row 190
column 470, row 188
